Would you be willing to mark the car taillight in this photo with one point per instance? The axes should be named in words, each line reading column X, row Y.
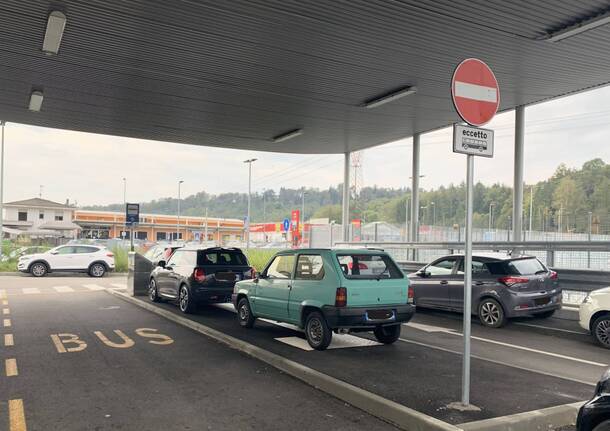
column 341, row 297
column 250, row 273
column 511, row 281
column 110, row 254
column 410, row 295
column 199, row 274
column 553, row 275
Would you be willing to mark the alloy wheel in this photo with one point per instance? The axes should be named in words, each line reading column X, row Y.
column 184, row 298
column 97, row 270
column 244, row 314
column 602, row 332
column 490, row 313
column 152, row 290
column 39, row 269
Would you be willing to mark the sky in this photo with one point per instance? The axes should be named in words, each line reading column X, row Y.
column 89, row 169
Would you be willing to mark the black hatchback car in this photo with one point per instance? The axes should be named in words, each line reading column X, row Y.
column 595, row 414
column 194, row 276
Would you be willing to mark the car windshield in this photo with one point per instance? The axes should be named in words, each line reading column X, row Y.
column 368, row 266
column 528, row 266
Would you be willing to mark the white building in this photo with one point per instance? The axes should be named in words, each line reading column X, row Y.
column 38, row 217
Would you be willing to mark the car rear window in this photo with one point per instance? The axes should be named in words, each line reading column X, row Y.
column 221, row 257
column 368, row 266
column 529, row 266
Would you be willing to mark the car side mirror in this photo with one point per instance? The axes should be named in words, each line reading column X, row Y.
column 423, row 273
column 54, row 252
column 161, row 263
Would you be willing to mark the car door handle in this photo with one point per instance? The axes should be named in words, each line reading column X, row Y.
column 444, row 282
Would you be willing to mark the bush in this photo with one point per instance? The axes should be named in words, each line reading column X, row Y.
column 120, row 259
column 258, row 257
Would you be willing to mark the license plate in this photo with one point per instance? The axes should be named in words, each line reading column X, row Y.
column 380, row 314
column 225, row 276
column 542, row 301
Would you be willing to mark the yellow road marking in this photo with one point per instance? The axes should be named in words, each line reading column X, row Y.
column 16, row 415
column 11, row 367
column 5, row 302
column 71, row 338
column 7, row 323
column 6, row 311
column 9, row 340
column 126, row 344
column 151, row 333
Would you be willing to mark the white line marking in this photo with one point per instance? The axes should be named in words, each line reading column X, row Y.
column 476, row 92
column 428, row 328
column 550, row 328
column 2, row 293
column 94, row 287
column 119, row 286
column 30, row 290
column 63, row 289
column 339, row 341
column 493, row 361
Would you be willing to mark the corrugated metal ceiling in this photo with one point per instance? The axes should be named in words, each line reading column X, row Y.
column 236, row 73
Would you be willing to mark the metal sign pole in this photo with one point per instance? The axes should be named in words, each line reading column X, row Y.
column 467, row 280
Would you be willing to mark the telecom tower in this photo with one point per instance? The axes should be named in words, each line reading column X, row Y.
column 357, row 179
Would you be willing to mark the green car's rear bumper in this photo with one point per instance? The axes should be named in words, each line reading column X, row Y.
column 367, row 317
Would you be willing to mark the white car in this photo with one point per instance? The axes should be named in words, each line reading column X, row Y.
column 92, row 259
column 595, row 315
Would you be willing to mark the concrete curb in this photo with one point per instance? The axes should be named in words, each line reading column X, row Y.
column 544, row 419
column 397, row 414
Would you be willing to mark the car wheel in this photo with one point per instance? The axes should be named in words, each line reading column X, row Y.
column 153, row 294
column 601, row 330
column 97, row 270
column 491, row 313
column 604, row 426
column 387, row 334
column 545, row 314
column 185, row 302
column 317, row 331
column 244, row 314
column 39, row 269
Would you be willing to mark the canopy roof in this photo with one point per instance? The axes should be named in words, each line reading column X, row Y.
column 236, row 73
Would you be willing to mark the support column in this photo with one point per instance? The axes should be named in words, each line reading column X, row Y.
column 414, row 236
column 518, row 174
column 345, row 209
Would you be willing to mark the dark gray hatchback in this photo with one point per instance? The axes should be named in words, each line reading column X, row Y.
column 503, row 287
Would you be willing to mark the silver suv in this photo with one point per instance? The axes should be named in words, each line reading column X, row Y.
column 503, row 286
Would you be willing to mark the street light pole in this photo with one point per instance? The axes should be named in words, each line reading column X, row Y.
column 433, row 213
column 178, row 220
column 124, row 206
column 589, row 252
column 249, row 162
column 531, row 209
column 303, row 209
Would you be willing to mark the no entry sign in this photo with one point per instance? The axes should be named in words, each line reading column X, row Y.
column 475, row 92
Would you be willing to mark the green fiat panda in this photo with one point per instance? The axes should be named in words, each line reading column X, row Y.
column 326, row 290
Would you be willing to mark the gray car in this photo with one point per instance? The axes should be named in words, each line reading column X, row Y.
column 503, row 287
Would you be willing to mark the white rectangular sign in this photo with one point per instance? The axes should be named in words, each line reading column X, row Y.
column 473, row 140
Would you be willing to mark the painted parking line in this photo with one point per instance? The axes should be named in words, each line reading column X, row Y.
column 6, row 323
column 549, row 328
column 119, row 286
column 10, row 366
column 16, row 415
column 9, row 340
column 2, row 293
column 94, row 287
column 429, row 328
column 5, row 302
column 6, row 311
column 30, row 290
column 63, row 289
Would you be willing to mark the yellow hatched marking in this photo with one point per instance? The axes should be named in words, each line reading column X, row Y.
column 9, row 340
column 10, row 366
column 16, row 415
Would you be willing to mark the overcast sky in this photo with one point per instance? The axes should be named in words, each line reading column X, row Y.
column 89, row 168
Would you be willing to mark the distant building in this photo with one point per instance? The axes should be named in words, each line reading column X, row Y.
column 158, row 227
column 39, row 218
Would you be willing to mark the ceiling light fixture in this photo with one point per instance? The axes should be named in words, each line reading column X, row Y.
column 390, row 97
column 288, row 135
column 36, row 101
column 55, row 30
column 578, row 28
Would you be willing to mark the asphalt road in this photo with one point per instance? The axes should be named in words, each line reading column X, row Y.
column 77, row 358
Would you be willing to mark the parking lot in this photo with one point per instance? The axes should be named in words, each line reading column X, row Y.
column 118, row 366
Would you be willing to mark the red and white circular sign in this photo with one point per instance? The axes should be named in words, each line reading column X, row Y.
column 475, row 92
